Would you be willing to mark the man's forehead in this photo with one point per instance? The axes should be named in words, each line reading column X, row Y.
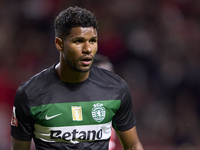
column 83, row 30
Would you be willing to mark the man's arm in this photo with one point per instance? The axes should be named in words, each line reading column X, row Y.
column 129, row 139
column 20, row 145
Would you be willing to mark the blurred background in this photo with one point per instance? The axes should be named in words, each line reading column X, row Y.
column 154, row 45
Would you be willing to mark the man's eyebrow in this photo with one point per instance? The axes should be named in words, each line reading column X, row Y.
column 78, row 38
column 94, row 37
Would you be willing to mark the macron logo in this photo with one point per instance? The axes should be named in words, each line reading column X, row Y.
column 51, row 117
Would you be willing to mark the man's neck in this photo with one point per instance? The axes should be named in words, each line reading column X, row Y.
column 70, row 76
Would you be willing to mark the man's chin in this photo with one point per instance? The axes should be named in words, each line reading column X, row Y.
column 83, row 69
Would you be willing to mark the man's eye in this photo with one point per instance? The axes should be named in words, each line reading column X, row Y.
column 93, row 41
column 78, row 41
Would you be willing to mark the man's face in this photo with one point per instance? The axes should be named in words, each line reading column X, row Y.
column 79, row 48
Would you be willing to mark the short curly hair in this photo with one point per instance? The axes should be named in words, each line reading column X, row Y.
column 73, row 17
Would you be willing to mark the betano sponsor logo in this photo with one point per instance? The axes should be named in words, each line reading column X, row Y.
column 75, row 134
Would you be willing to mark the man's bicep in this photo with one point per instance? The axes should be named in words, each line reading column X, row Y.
column 129, row 139
column 20, row 145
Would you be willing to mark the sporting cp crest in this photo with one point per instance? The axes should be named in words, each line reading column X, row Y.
column 98, row 112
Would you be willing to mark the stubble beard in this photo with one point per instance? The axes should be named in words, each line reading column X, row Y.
column 72, row 64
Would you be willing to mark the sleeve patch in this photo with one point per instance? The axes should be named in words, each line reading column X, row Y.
column 14, row 121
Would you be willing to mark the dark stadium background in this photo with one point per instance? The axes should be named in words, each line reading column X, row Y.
column 153, row 44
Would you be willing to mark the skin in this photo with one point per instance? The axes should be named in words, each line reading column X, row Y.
column 76, row 56
column 20, row 145
column 129, row 139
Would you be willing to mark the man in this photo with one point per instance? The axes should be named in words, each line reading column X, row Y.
column 73, row 104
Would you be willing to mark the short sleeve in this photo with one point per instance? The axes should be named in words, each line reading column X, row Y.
column 22, row 122
column 124, row 118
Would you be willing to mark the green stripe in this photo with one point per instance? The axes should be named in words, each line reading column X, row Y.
column 65, row 119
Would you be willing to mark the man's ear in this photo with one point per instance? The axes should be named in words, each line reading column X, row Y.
column 59, row 43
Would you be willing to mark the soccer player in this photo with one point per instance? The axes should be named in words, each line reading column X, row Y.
column 73, row 104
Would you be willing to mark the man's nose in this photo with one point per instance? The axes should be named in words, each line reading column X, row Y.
column 87, row 47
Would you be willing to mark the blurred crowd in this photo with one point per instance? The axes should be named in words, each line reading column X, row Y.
column 154, row 45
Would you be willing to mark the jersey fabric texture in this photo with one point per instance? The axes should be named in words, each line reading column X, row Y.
column 60, row 115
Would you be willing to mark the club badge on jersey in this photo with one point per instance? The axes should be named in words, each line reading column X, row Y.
column 98, row 112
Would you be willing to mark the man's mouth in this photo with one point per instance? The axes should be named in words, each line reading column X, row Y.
column 86, row 60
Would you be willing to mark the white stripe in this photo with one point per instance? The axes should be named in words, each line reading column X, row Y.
column 73, row 134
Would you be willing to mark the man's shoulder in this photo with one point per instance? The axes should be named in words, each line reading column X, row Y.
column 38, row 80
